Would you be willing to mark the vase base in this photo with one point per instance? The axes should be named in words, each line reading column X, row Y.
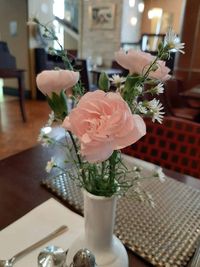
column 114, row 257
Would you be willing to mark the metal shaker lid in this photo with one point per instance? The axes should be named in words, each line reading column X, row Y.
column 84, row 258
column 51, row 256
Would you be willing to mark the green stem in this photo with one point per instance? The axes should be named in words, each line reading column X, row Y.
column 103, row 165
column 150, row 67
column 78, row 157
column 64, row 57
column 112, row 161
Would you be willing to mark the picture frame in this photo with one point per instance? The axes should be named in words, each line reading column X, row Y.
column 102, row 16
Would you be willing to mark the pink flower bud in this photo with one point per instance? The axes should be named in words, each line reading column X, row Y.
column 49, row 81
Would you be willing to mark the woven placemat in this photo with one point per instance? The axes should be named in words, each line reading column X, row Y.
column 166, row 235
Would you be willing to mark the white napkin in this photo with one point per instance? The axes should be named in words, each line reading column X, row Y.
column 35, row 225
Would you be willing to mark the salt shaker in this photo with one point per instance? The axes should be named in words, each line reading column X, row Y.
column 52, row 256
column 83, row 258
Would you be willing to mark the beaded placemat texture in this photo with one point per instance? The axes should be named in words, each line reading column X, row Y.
column 166, row 235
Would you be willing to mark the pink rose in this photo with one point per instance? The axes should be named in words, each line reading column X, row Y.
column 49, row 81
column 103, row 123
column 138, row 62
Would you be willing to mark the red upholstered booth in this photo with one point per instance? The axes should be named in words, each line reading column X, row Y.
column 174, row 144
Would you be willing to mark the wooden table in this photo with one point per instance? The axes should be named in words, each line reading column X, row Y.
column 20, row 189
column 19, row 75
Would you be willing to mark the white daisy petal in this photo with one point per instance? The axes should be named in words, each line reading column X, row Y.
column 50, row 165
column 117, row 80
column 172, row 40
column 155, row 108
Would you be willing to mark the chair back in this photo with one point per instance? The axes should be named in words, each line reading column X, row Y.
column 174, row 145
column 173, row 87
column 7, row 61
column 177, row 105
column 115, row 65
column 81, row 66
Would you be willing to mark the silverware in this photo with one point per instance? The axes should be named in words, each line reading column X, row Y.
column 10, row 262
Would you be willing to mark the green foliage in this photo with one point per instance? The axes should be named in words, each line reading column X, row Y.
column 110, row 176
column 58, row 104
column 130, row 91
column 104, row 82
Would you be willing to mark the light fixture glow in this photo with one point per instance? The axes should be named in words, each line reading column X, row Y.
column 133, row 21
column 141, row 7
column 131, row 3
column 155, row 13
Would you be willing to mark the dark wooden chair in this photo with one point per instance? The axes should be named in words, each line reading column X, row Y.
column 174, row 144
column 82, row 66
column 176, row 104
column 8, row 70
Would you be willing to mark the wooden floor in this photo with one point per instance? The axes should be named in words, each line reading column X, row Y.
column 15, row 135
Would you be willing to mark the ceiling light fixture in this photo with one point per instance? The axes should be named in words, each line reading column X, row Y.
column 131, row 3
column 141, row 7
column 155, row 13
column 133, row 21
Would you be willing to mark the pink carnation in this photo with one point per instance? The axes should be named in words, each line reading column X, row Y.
column 138, row 62
column 49, row 81
column 103, row 123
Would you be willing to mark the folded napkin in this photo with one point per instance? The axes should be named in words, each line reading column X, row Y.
column 35, row 225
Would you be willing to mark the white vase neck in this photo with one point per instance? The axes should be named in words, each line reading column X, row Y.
column 99, row 213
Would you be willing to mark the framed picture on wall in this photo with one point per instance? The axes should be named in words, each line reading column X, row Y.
column 102, row 16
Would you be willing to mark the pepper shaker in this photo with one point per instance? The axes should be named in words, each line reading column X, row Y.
column 83, row 258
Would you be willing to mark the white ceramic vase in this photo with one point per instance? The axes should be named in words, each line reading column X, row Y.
column 99, row 214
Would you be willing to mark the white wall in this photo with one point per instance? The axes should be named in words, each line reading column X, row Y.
column 41, row 9
column 100, row 42
column 130, row 33
column 15, row 10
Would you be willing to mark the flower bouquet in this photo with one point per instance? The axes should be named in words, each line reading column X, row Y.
column 98, row 126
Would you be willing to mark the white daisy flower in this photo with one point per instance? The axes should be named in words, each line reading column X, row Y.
column 155, row 107
column 44, row 139
column 51, row 119
column 141, row 108
column 158, row 89
column 50, row 165
column 139, row 89
column 173, row 42
column 117, row 80
column 160, row 174
column 41, row 138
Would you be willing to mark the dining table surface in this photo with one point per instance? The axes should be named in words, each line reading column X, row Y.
column 21, row 189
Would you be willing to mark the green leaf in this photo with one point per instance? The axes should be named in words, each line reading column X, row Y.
column 58, row 104
column 63, row 98
column 131, row 83
column 130, row 92
column 104, row 82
